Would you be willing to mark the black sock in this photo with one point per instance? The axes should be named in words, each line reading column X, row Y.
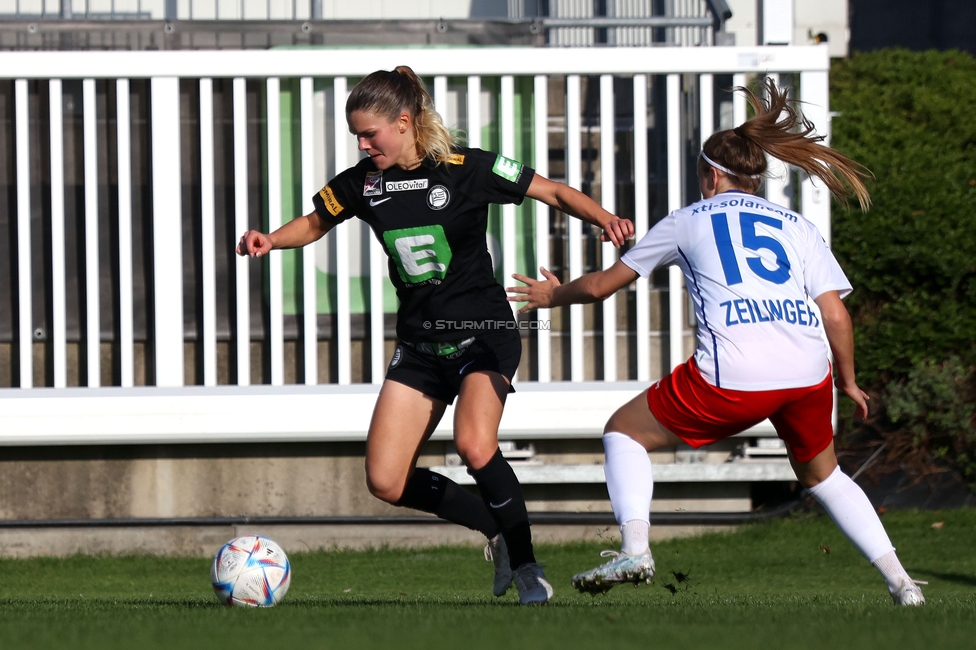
column 439, row 495
column 501, row 492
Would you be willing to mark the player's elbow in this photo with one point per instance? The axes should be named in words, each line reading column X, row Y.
column 835, row 317
column 835, row 320
column 605, row 284
column 602, row 293
column 590, row 292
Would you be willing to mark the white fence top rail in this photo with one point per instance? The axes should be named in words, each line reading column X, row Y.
column 313, row 62
column 198, row 414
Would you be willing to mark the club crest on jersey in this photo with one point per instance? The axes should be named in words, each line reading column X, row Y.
column 438, row 197
column 374, row 184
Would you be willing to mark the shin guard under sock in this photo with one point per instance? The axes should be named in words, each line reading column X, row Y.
column 630, row 478
column 502, row 494
column 439, row 495
column 853, row 514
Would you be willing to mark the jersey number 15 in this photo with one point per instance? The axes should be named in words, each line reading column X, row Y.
column 753, row 241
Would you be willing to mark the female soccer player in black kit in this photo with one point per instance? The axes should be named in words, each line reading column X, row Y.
column 426, row 200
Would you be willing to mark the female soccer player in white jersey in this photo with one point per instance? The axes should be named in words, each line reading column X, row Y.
column 754, row 269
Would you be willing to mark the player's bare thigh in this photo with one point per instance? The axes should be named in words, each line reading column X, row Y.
column 403, row 419
column 477, row 414
column 636, row 420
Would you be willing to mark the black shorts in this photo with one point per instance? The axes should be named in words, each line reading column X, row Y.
column 438, row 373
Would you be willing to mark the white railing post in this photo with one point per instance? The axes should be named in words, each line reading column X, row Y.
column 342, row 323
column 676, row 279
column 167, row 231
column 706, row 113
column 126, row 337
column 814, row 196
column 275, row 289
column 310, row 313
column 208, row 269
column 25, row 327
column 608, row 199
column 58, row 326
column 641, row 219
column 92, row 279
column 778, row 180
column 440, row 97
column 509, row 241
column 542, row 248
column 241, row 224
column 574, row 178
column 739, row 102
column 474, row 112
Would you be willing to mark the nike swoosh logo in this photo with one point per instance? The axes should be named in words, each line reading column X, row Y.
column 461, row 371
column 373, row 202
column 500, row 504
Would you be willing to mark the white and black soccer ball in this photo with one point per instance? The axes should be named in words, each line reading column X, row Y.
column 250, row 571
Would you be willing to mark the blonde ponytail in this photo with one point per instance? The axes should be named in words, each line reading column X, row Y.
column 780, row 130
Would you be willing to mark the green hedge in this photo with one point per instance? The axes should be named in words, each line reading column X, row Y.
column 911, row 118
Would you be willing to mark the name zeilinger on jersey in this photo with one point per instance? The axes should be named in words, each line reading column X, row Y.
column 744, row 311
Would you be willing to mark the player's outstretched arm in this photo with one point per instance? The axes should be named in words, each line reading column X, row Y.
column 840, row 336
column 591, row 287
column 296, row 233
column 573, row 202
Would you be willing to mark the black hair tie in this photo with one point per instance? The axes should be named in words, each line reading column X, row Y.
column 738, row 131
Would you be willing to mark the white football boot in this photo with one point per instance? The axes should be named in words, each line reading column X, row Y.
column 908, row 595
column 622, row 568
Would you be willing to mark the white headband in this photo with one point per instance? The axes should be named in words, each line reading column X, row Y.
column 724, row 169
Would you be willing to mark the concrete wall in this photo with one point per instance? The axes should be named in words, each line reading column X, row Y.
column 263, row 480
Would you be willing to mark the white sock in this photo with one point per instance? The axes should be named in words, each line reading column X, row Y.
column 894, row 573
column 634, row 535
column 853, row 513
column 630, row 483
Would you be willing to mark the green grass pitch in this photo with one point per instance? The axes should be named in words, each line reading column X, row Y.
column 794, row 583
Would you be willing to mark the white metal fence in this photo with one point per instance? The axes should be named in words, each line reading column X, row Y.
column 677, row 84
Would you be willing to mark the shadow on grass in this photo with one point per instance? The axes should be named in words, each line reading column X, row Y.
column 958, row 578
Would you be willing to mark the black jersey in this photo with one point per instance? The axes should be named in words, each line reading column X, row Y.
column 432, row 222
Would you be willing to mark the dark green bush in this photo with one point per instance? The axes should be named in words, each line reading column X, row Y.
column 932, row 410
column 909, row 117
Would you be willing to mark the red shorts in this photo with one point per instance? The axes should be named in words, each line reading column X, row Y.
column 700, row 414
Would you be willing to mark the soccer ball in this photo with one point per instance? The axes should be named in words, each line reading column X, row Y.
column 250, row 571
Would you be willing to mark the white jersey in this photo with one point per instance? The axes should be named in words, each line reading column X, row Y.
column 753, row 269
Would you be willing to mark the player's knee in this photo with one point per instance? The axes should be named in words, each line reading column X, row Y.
column 383, row 488
column 476, row 454
column 810, row 477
